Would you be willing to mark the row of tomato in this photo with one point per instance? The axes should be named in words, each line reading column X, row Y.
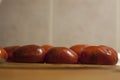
column 76, row 54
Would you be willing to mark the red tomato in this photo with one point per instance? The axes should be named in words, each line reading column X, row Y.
column 78, row 48
column 3, row 55
column 47, row 47
column 10, row 50
column 61, row 55
column 30, row 54
column 98, row 55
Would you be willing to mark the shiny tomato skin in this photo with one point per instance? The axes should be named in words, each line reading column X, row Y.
column 10, row 50
column 78, row 48
column 101, row 55
column 46, row 47
column 3, row 55
column 29, row 54
column 111, row 54
column 61, row 55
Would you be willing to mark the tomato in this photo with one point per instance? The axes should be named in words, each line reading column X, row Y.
column 29, row 54
column 47, row 47
column 10, row 50
column 98, row 55
column 61, row 55
column 78, row 48
column 3, row 55
column 112, row 55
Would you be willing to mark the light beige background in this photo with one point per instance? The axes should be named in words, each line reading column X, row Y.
column 24, row 22
column 60, row 22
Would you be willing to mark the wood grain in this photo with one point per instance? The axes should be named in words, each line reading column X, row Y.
column 25, row 71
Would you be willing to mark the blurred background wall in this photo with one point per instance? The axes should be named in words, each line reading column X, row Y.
column 60, row 22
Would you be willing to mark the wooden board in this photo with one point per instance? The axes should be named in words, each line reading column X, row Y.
column 31, row 71
column 52, row 66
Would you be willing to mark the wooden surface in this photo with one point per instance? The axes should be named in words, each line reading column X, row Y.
column 23, row 71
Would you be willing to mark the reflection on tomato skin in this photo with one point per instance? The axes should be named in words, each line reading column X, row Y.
column 61, row 55
column 3, row 55
column 102, row 55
